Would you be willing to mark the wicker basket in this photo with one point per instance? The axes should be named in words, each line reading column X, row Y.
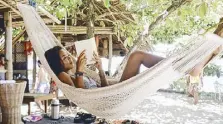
column 11, row 97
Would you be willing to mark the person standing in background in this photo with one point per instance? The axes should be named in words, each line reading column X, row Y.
column 42, row 83
column 194, row 84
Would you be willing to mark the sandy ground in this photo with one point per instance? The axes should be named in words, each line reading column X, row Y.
column 172, row 108
column 168, row 108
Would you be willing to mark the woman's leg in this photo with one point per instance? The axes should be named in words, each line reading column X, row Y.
column 134, row 62
column 198, row 68
column 196, row 97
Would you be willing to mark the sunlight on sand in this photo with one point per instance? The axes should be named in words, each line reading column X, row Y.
column 171, row 108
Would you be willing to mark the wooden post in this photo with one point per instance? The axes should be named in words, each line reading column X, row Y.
column 59, row 37
column 34, row 70
column 65, row 27
column 105, row 48
column 110, row 54
column 8, row 43
column 90, row 20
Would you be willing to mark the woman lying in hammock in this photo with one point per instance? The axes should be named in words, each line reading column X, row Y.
column 62, row 63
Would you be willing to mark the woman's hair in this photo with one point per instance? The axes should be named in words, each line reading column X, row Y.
column 53, row 59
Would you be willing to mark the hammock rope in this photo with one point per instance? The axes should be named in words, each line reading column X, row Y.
column 116, row 100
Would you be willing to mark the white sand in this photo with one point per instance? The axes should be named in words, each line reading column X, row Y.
column 168, row 108
column 171, row 108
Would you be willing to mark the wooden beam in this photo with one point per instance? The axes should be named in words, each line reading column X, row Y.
column 97, row 8
column 123, row 15
column 106, row 20
column 45, row 97
column 59, row 29
column 34, row 70
column 11, row 7
column 4, row 10
column 111, row 13
column 110, row 54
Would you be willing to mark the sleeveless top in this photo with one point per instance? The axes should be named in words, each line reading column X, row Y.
column 88, row 82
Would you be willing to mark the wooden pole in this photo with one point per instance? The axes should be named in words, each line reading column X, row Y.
column 34, row 70
column 65, row 27
column 8, row 48
column 105, row 48
column 90, row 20
column 110, row 54
column 59, row 37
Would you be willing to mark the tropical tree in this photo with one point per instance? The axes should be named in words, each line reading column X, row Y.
column 155, row 21
column 185, row 17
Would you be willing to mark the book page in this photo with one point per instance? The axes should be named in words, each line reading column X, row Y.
column 89, row 45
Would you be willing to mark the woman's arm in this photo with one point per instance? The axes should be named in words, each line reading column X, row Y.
column 66, row 78
column 102, row 76
column 78, row 80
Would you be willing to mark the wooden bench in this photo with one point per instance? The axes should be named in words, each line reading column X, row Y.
column 33, row 97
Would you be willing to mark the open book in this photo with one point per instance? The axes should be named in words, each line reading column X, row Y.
column 90, row 46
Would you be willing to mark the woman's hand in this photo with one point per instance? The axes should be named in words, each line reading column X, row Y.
column 81, row 62
column 97, row 60
column 98, row 65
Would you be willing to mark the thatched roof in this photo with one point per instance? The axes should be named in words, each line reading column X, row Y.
column 10, row 5
column 117, row 13
column 17, row 21
column 105, row 22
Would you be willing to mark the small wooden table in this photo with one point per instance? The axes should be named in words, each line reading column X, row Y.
column 33, row 97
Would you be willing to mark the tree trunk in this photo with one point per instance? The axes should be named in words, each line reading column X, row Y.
column 90, row 19
column 219, row 30
column 90, row 25
column 142, row 44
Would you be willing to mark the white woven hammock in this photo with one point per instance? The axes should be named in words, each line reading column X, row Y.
column 116, row 100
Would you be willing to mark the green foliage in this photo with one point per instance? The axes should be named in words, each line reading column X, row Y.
column 202, row 9
column 186, row 20
column 179, row 85
column 16, row 31
column 60, row 7
column 212, row 70
column 107, row 3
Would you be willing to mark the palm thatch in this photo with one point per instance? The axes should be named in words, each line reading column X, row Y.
column 106, row 21
column 17, row 21
column 10, row 5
